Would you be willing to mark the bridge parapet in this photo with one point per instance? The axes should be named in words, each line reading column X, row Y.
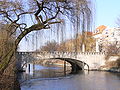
column 56, row 54
column 62, row 53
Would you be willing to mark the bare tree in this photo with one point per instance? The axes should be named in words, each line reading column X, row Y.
column 113, row 50
column 43, row 13
column 50, row 46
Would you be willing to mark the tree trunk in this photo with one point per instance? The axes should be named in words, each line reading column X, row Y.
column 6, row 60
column 7, row 57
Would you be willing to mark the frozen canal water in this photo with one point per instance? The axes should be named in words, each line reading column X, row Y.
column 51, row 78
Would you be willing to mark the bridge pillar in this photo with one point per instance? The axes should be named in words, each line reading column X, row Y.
column 29, row 68
column 64, row 67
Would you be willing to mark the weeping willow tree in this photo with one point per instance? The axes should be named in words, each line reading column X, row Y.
column 42, row 14
column 82, row 24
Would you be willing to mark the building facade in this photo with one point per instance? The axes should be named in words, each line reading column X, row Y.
column 105, row 37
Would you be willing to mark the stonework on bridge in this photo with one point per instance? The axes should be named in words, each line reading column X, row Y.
column 94, row 59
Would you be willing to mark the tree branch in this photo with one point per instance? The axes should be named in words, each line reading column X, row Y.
column 40, row 8
column 53, row 16
column 28, row 30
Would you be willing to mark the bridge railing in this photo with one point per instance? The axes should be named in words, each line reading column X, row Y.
column 57, row 52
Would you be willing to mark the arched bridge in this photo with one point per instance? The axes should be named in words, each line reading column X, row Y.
column 75, row 64
column 77, row 60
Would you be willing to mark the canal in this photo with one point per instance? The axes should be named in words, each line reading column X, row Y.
column 53, row 78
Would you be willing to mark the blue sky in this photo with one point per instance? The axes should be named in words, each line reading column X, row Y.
column 107, row 12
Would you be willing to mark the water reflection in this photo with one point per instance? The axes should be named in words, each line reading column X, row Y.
column 38, row 71
column 50, row 80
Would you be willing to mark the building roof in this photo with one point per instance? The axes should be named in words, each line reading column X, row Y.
column 101, row 28
column 89, row 33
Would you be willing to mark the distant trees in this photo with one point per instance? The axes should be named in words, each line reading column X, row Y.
column 76, row 43
column 70, row 45
column 113, row 50
column 50, row 46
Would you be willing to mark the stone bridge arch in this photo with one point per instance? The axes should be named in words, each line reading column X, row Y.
column 93, row 59
column 24, row 58
column 76, row 65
